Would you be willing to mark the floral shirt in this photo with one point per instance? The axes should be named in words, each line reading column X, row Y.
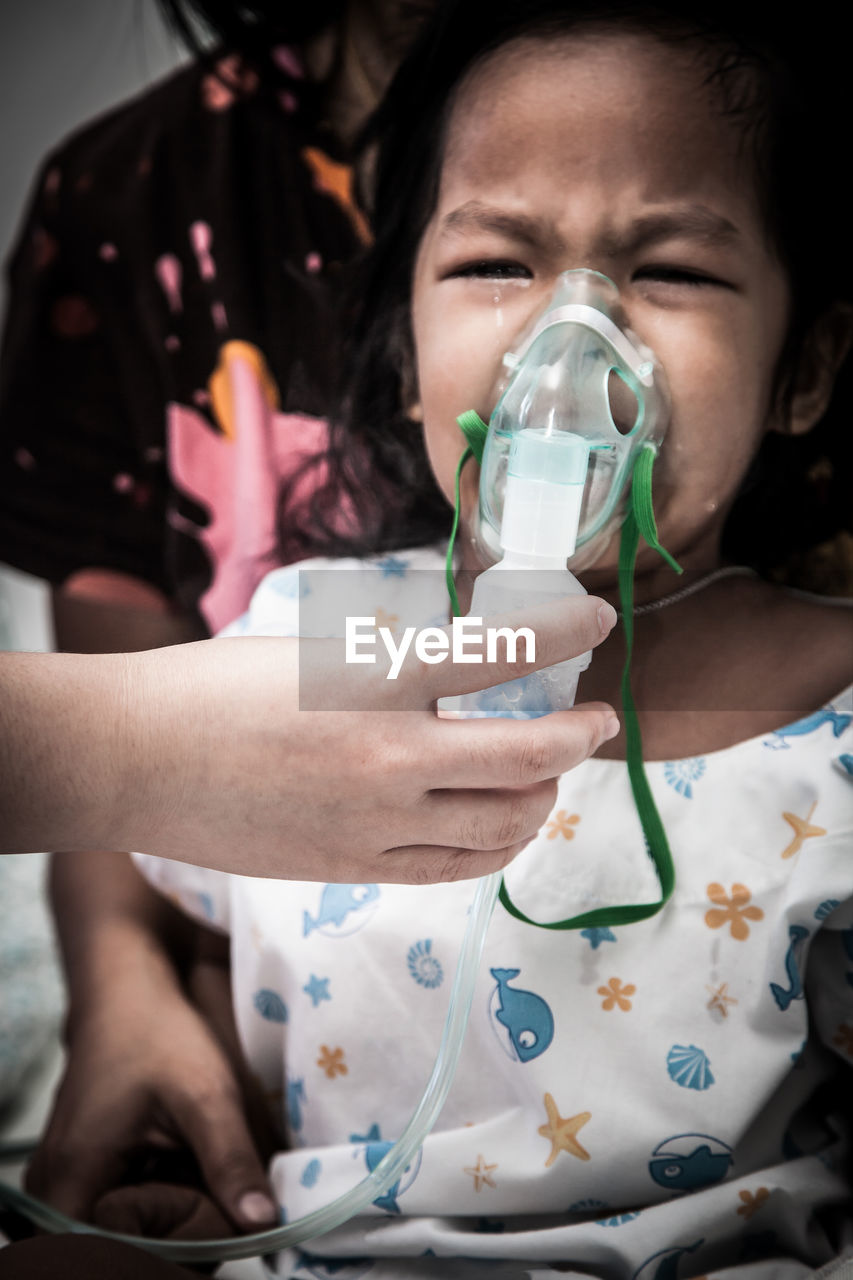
column 171, row 336
column 660, row 1099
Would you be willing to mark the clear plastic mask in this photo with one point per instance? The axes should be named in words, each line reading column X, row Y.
column 577, row 369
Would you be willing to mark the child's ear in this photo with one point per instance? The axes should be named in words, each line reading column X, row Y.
column 823, row 354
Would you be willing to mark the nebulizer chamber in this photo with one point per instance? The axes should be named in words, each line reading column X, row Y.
column 577, row 371
column 579, row 395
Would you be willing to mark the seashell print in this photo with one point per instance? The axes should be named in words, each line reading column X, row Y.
column 826, row 908
column 689, row 1067
column 681, row 774
column 270, row 1005
column 423, row 966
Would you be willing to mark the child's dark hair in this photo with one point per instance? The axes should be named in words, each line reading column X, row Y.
column 786, row 98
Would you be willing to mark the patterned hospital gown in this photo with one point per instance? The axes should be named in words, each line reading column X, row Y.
column 663, row 1099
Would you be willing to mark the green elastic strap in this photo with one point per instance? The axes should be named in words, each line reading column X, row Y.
column 640, row 520
column 475, row 431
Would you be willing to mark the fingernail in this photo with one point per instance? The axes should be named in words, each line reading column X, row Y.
column 606, row 619
column 611, row 728
column 256, row 1208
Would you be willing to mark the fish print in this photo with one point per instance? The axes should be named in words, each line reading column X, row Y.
column 336, row 903
column 844, row 764
column 526, row 1016
column 690, row 1160
column 826, row 715
column 373, row 1153
column 784, row 996
column 664, row 1265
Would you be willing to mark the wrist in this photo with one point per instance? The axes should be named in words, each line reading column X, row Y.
column 122, row 971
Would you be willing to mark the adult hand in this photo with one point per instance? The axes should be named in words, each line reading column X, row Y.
column 201, row 752
column 381, row 789
column 147, row 1074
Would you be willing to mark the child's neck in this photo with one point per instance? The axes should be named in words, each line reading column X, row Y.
column 732, row 660
column 736, row 660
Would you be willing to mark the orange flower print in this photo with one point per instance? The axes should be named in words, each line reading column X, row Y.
column 385, row 619
column 844, row 1039
column 616, row 994
column 561, row 825
column 732, row 910
column 332, row 1062
column 752, row 1203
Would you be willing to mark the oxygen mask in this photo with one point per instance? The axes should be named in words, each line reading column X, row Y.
column 577, row 376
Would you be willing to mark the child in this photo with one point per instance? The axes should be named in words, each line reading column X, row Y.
column 658, row 1099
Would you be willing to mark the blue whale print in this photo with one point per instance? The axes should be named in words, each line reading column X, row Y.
column 526, row 1016
column 690, row 1160
column 373, row 1153
column 336, row 903
column 784, row 996
column 664, row 1265
column 827, row 715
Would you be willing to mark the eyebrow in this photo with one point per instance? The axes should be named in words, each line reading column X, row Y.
column 484, row 217
column 695, row 222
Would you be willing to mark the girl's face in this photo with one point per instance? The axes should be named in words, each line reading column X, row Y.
column 605, row 150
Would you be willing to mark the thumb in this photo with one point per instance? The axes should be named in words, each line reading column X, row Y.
column 217, row 1132
column 546, row 633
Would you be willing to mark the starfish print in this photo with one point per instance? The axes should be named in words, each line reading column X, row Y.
column 561, row 825
column 803, row 830
column 561, row 1132
column 392, row 567
column 720, row 999
column 596, row 936
column 482, row 1174
column 332, row 1062
column 317, row 989
column 752, row 1203
column 734, row 910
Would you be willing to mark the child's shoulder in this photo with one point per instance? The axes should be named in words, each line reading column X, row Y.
column 274, row 607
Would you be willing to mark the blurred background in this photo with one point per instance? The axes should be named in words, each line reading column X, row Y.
column 61, row 63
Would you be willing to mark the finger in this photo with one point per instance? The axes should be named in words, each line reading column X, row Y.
column 71, row 1177
column 436, row 864
column 213, row 1124
column 561, row 629
column 514, row 753
column 487, row 819
column 161, row 1210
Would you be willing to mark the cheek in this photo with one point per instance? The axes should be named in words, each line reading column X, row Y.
column 719, row 380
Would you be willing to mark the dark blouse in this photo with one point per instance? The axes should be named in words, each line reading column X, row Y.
column 171, row 336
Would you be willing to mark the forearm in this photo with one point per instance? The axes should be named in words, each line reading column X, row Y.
column 65, row 738
column 113, row 929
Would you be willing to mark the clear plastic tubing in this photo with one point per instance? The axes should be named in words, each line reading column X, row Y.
column 388, row 1170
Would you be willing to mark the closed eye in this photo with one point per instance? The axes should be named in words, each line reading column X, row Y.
column 491, row 269
column 679, row 276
